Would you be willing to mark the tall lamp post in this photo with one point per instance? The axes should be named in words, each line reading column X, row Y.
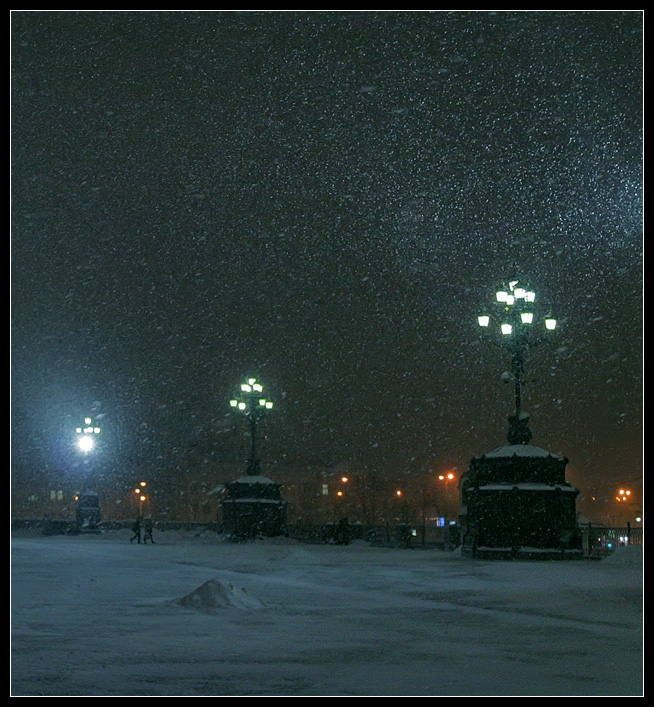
column 86, row 440
column 445, row 479
column 141, row 496
column 253, row 504
column 514, row 325
column 254, row 406
column 88, row 505
column 515, row 500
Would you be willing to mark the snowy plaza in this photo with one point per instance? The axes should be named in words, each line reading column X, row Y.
column 93, row 615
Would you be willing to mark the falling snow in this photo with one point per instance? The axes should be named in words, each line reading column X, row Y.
column 325, row 200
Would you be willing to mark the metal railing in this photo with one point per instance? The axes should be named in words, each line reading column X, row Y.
column 598, row 541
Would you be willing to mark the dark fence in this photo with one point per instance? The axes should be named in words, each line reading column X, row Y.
column 597, row 541
column 58, row 526
column 391, row 535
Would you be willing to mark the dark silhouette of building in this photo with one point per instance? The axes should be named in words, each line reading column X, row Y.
column 253, row 506
column 516, row 502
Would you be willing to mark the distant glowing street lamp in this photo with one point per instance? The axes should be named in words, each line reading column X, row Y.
column 445, row 479
column 513, row 325
column 623, row 496
column 141, row 495
column 251, row 402
column 86, row 435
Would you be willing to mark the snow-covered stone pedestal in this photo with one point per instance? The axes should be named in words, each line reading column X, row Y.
column 253, row 506
column 516, row 503
column 87, row 513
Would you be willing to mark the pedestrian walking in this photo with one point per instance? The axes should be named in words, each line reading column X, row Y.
column 148, row 531
column 137, row 530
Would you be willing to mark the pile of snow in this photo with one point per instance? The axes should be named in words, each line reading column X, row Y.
column 219, row 595
column 626, row 556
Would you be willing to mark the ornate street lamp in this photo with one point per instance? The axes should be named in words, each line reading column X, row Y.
column 252, row 403
column 88, row 505
column 516, row 325
column 86, row 435
column 515, row 500
column 253, row 504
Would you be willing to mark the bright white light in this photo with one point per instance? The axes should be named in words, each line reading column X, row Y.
column 242, row 406
column 262, row 402
column 257, row 387
column 501, row 296
column 506, row 329
column 527, row 317
column 550, row 323
column 483, row 320
column 233, row 403
column 512, row 284
column 519, row 292
column 530, row 296
column 510, row 299
column 246, row 388
column 269, row 405
column 252, row 381
column 85, row 443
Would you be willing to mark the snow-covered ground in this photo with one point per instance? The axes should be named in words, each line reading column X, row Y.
column 199, row 616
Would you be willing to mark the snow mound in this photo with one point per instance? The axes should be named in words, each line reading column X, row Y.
column 220, row 595
column 628, row 555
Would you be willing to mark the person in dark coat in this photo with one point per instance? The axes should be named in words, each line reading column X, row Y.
column 137, row 530
column 342, row 532
column 148, row 531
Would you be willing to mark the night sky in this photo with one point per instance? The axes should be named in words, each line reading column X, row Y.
column 325, row 200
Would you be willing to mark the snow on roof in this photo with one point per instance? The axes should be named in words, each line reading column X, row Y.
column 274, row 501
column 520, row 450
column 255, row 480
column 527, row 487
